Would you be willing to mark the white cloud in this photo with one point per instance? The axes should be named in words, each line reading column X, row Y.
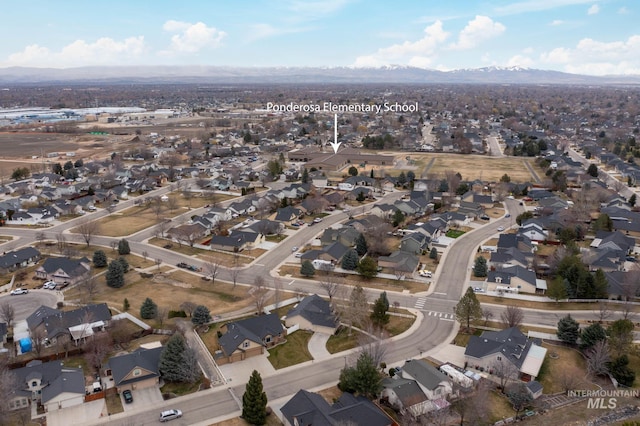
column 556, row 22
column 192, row 38
column 104, row 51
column 536, row 6
column 259, row 31
column 420, row 62
column 593, row 10
column 623, row 11
column 434, row 36
column 594, row 57
column 480, row 29
column 520, row 61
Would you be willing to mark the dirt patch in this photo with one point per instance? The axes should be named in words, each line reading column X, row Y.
column 162, row 278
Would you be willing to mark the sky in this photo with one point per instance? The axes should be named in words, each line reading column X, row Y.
column 576, row 36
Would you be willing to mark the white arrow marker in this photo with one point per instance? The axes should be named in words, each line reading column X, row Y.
column 335, row 144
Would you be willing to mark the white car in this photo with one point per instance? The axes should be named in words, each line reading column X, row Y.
column 426, row 274
column 317, row 220
column 18, row 291
column 294, row 248
column 500, row 228
column 50, row 285
column 298, row 255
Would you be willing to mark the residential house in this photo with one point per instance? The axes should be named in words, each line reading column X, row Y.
column 400, row 262
column 515, row 279
column 19, row 258
column 251, row 239
column 313, row 313
column 49, row 383
column 533, row 230
column 64, row 270
column 493, row 348
column 385, row 211
column 240, row 208
column 418, row 388
column 188, row 233
column 287, row 215
column 470, row 209
column 265, row 227
column 249, row 337
column 517, row 241
column 346, row 235
column 136, row 370
column 333, row 252
column 415, row 242
column 308, row 408
column 77, row 324
column 616, row 241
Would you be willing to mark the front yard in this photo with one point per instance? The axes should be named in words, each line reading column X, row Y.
column 294, row 351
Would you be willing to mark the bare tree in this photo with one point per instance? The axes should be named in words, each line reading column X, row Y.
column 113, row 245
column 188, row 307
column 487, row 314
column 119, row 331
column 356, row 311
column 89, row 287
column 37, row 338
column 259, row 293
column 161, row 315
column 373, row 343
column 211, row 268
column 158, row 263
column 157, row 206
column 61, row 241
column 161, row 228
column 512, row 316
column 235, row 271
column 277, row 287
column 398, row 274
column 504, row 370
column 603, row 312
column 40, row 237
column 569, row 378
column 88, row 229
column 145, row 254
column 8, row 385
column 330, row 283
column 172, row 204
column 598, row 358
column 96, row 349
column 7, row 313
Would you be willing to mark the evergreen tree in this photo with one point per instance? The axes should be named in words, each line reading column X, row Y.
column 591, row 335
column 367, row 267
column 385, row 300
column 305, row 176
column 307, row 269
column 557, row 289
column 411, row 176
column 398, row 217
column 371, row 175
column 363, row 379
column 353, row 171
column 360, row 197
column 171, row 359
column 568, row 330
column 115, row 274
column 468, row 308
column 632, row 200
column 125, row 305
column 124, row 264
column 254, row 401
column 620, row 334
column 123, row 247
column 433, row 254
column 350, row 260
column 361, row 245
column 619, row 368
column 480, row 267
column 600, row 285
column 603, row 223
column 99, row 259
column 379, row 315
column 148, row 310
column 402, row 179
column 592, row 170
column 201, row 315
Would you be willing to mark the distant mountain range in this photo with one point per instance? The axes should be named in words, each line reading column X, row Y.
column 300, row 75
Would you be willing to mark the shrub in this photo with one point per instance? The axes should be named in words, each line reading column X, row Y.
column 177, row 314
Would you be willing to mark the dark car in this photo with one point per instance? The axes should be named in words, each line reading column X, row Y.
column 128, row 397
column 631, row 259
column 484, row 217
column 182, row 265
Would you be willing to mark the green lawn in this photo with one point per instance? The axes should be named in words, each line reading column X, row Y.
column 341, row 341
column 180, row 389
column 398, row 324
column 294, row 351
column 454, row 233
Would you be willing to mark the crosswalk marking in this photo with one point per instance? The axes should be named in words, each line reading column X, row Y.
column 445, row 316
column 420, row 302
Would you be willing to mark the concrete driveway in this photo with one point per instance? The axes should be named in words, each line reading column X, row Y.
column 79, row 414
column 241, row 371
column 143, row 399
column 318, row 346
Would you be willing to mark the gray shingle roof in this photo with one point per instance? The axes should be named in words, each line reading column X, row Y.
column 424, row 373
column 147, row 359
column 316, row 310
column 254, row 328
column 67, row 382
column 18, row 256
column 510, row 343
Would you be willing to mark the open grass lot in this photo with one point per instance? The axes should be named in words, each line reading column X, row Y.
column 499, row 407
column 560, row 361
column 341, row 341
column 549, row 306
column 294, row 351
column 398, row 324
column 169, row 292
column 351, row 279
column 454, row 233
column 224, row 259
column 478, row 166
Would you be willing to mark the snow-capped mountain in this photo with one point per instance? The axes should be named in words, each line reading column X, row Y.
column 298, row 75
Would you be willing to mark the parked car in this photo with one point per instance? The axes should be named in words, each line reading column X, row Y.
column 182, row 265
column 425, row 273
column 631, row 259
column 128, row 397
column 294, row 248
column 170, row 415
column 484, row 217
column 317, row 220
column 18, row 291
column 507, row 215
column 50, row 285
column 478, row 289
column 298, row 255
column 500, row 228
